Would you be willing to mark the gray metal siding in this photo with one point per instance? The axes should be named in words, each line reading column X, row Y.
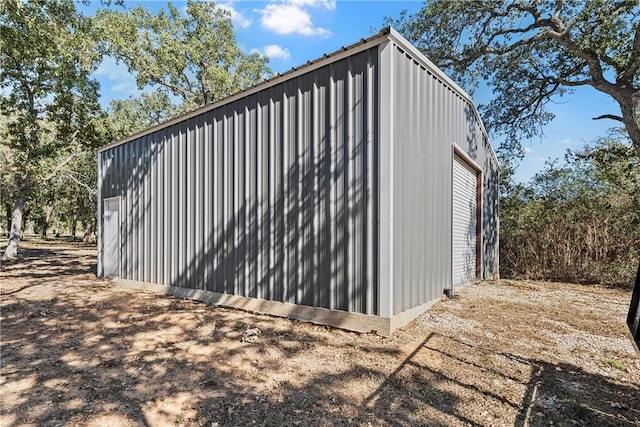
column 270, row 196
column 490, row 215
column 422, row 240
column 330, row 187
column 428, row 118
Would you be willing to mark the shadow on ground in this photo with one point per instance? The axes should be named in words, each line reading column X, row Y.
column 76, row 350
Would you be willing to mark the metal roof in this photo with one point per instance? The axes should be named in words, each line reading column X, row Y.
column 386, row 34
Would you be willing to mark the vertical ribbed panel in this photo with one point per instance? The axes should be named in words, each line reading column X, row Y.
column 429, row 117
column 490, row 215
column 270, row 196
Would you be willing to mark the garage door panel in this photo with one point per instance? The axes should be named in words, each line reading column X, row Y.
column 464, row 222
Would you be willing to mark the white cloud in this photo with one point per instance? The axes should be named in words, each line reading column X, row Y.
column 565, row 141
column 274, row 51
column 117, row 75
column 238, row 19
column 115, row 80
column 528, row 150
column 327, row 4
column 292, row 18
column 111, row 69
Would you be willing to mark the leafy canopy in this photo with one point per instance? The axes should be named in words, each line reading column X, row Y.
column 49, row 100
column 132, row 115
column 193, row 56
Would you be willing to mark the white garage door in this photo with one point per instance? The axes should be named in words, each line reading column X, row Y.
column 464, row 222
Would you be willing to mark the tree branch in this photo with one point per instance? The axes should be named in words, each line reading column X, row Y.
column 608, row 116
column 514, row 46
column 82, row 184
column 573, row 83
column 508, row 32
column 174, row 88
column 591, row 58
column 58, row 168
column 559, row 4
column 557, row 31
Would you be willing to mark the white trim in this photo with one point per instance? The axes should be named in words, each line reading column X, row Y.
column 99, row 208
column 385, row 180
column 101, row 254
column 458, row 151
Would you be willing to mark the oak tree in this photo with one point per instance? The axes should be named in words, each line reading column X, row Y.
column 193, row 56
column 132, row 115
column 48, row 98
column 531, row 51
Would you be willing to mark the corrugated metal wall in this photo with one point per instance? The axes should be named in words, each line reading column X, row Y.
column 490, row 214
column 428, row 118
column 270, row 196
column 329, row 189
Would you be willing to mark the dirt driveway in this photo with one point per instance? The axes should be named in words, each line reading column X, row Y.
column 82, row 351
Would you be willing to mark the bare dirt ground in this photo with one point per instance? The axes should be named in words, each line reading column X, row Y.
column 82, row 351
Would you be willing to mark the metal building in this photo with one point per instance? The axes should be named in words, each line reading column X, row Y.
column 351, row 191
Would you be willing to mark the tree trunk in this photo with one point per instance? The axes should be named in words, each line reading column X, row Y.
column 48, row 214
column 630, row 108
column 16, row 228
column 8, row 210
column 88, row 231
column 635, row 102
column 16, row 219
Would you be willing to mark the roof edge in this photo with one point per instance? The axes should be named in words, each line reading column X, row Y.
column 406, row 45
column 385, row 34
column 326, row 59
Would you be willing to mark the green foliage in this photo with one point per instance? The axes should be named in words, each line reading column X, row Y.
column 193, row 56
column 576, row 222
column 47, row 58
column 530, row 53
column 132, row 115
column 49, row 102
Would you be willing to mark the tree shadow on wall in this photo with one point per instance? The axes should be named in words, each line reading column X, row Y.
column 282, row 218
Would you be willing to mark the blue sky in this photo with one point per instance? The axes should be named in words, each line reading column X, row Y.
column 292, row 32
